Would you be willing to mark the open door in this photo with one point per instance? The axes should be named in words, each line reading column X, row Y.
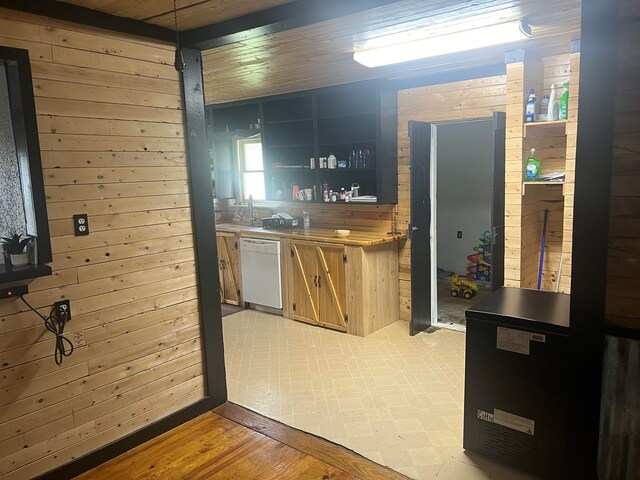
column 419, row 230
column 497, row 209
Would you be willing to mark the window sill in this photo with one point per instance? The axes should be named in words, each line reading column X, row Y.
column 10, row 274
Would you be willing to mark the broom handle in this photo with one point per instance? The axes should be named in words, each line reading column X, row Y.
column 544, row 241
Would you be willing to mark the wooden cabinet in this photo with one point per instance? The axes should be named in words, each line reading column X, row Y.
column 229, row 268
column 317, row 290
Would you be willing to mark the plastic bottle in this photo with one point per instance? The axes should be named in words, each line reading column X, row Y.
column 563, row 111
column 552, row 114
column 532, row 170
column 530, row 112
column 544, row 108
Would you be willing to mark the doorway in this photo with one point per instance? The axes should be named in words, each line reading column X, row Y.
column 457, row 218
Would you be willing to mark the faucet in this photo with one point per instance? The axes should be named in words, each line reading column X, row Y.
column 252, row 218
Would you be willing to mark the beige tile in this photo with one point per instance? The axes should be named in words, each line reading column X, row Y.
column 393, row 398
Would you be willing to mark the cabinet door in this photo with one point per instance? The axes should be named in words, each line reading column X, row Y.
column 303, row 281
column 228, row 267
column 332, row 297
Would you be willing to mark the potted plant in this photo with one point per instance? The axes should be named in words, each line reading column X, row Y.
column 14, row 246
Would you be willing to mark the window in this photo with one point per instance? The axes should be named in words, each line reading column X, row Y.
column 23, row 207
column 251, row 168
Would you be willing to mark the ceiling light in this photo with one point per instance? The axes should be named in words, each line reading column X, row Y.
column 444, row 44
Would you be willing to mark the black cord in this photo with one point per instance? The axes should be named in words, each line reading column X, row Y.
column 55, row 325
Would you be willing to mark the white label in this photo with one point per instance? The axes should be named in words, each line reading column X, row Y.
column 514, row 422
column 513, row 340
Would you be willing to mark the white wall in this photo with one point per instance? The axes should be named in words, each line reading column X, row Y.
column 464, row 191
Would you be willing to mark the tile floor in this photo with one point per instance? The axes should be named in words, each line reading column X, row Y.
column 394, row 399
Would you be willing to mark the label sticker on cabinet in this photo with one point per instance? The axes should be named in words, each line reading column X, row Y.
column 538, row 337
column 515, row 422
column 513, row 340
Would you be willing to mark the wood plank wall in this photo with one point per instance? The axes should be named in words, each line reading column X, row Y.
column 623, row 296
column 111, row 134
column 470, row 99
column 370, row 218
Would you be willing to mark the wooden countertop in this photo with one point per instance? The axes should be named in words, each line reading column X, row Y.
column 357, row 238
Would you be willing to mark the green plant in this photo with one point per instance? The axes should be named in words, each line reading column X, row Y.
column 14, row 244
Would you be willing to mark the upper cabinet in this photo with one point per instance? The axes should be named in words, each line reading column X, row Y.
column 355, row 123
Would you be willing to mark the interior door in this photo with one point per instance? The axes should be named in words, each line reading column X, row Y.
column 332, row 297
column 497, row 209
column 303, row 275
column 419, row 230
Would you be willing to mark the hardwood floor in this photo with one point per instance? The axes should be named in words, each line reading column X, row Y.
column 232, row 442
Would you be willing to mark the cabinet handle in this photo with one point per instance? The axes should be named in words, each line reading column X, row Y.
column 315, row 280
column 319, row 278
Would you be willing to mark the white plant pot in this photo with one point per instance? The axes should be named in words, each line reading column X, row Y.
column 19, row 259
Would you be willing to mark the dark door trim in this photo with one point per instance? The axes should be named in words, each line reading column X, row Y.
column 497, row 205
column 420, row 227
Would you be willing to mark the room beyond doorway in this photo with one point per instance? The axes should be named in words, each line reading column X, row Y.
column 462, row 189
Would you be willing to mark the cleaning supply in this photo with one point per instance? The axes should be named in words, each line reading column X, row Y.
column 563, row 110
column 552, row 113
column 530, row 111
column 544, row 108
column 532, row 170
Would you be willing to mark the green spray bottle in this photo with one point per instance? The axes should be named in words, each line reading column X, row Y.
column 532, row 169
column 563, row 113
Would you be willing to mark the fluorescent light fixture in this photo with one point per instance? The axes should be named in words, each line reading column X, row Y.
column 444, row 44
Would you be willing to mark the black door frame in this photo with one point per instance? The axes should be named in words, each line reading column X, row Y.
column 420, row 162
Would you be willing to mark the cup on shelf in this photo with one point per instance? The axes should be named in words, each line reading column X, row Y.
column 308, row 194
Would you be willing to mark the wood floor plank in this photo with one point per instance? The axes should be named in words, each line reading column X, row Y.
column 335, row 455
column 235, row 443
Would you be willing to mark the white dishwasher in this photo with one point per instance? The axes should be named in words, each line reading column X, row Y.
column 261, row 275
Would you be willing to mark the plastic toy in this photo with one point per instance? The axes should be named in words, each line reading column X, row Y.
column 480, row 260
column 462, row 288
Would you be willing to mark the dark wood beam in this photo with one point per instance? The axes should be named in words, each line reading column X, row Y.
column 86, row 16
column 277, row 19
column 594, row 151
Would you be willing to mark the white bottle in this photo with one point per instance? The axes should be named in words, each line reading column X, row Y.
column 552, row 111
column 332, row 161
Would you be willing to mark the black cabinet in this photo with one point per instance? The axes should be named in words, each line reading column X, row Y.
column 516, row 380
column 357, row 123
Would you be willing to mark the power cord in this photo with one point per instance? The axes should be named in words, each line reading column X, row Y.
column 56, row 325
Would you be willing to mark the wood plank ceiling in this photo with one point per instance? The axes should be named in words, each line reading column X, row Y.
column 191, row 13
column 321, row 54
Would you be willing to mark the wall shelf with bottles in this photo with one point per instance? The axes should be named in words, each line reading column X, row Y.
column 356, row 123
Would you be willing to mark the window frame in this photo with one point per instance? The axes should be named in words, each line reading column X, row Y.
column 23, row 115
column 241, row 170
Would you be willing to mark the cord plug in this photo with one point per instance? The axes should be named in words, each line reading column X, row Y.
column 62, row 310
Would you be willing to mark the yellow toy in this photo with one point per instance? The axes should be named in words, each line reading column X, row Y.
column 462, row 287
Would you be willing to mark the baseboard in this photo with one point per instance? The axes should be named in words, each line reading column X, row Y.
column 112, row 450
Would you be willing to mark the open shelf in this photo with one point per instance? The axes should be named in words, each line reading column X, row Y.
column 550, row 125
column 548, row 184
column 16, row 274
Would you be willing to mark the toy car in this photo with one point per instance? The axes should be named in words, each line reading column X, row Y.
column 462, row 288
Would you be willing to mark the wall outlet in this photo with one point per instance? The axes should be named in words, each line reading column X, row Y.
column 459, row 233
column 81, row 224
column 62, row 310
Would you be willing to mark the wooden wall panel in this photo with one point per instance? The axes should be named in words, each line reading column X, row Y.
column 111, row 134
column 623, row 296
column 470, row 99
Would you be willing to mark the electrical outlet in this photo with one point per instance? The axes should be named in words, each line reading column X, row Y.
column 459, row 233
column 81, row 224
column 62, row 310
